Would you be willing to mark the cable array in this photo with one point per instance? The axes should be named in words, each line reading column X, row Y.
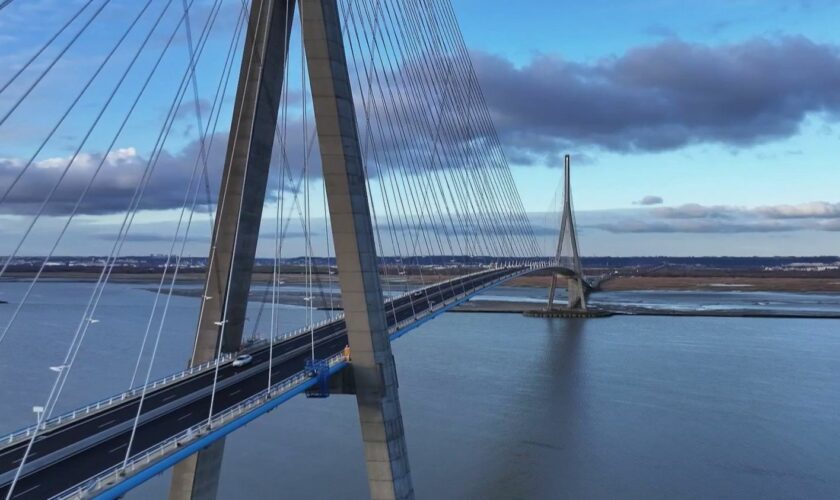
column 442, row 196
column 440, row 188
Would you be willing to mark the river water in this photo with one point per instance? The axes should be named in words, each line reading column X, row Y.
column 501, row 406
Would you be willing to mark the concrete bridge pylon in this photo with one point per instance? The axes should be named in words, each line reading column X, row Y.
column 236, row 230
column 568, row 252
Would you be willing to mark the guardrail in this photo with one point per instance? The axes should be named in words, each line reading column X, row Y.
column 27, row 432
column 456, row 298
column 118, row 398
column 140, row 461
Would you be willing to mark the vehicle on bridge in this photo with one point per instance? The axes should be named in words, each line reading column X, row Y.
column 242, row 360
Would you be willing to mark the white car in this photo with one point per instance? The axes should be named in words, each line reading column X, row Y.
column 242, row 360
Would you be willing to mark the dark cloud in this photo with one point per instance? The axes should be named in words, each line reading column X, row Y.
column 695, row 218
column 122, row 170
column 696, row 211
column 811, row 210
column 399, row 132
column 662, row 97
column 502, row 225
column 114, row 185
column 423, row 115
column 649, row 200
column 695, row 226
column 830, row 225
column 816, row 209
column 657, row 97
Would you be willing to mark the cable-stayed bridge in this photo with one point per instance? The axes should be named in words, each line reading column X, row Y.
column 362, row 121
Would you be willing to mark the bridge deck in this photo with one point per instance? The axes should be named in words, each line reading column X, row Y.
column 67, row 454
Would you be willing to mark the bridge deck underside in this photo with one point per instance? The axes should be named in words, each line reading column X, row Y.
column 68, row 454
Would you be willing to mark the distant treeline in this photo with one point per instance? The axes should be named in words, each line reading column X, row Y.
column 714, row 262
column 153, row 263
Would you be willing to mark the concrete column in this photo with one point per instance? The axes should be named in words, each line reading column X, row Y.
column 577, row 294
column 575, row 285
column 568, row 223
column 361, row 294
column 552, row 291
column 238, row 214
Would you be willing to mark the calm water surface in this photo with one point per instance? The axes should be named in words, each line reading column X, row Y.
column 498, row 405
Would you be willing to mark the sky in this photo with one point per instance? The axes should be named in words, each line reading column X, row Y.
column 695, row 127
column 726, row 105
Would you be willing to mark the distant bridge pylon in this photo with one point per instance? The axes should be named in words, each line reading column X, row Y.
column 567, row 257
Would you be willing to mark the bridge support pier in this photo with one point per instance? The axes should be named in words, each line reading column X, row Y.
column 374, row 370
column 197, row 476
column 575, row 289
column 577, row 294
column 552, row 291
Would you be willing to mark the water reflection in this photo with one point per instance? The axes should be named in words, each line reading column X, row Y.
column 547, row 431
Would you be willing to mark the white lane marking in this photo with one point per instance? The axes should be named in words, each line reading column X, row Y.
column 234, row 393
column 107, row 423
column 185, row 416
column 167, row 398
column 24, row 492
column 118, row 448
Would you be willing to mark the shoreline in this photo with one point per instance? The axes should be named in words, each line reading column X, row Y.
column 638, row 284
column 758, row 283
column 514, row 307
column 505, row 307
